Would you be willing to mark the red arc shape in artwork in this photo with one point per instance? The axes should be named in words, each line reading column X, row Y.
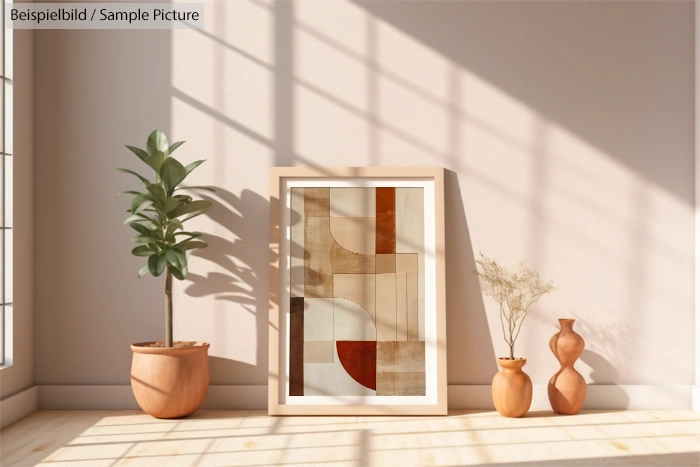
column 359, row 358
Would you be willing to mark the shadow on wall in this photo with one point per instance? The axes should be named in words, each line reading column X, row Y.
column 243, row 282
column 604, row 373
column 244, row 256
column 510, row 44
column 469, row 361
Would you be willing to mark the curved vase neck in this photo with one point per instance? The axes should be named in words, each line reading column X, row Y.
column 566, row 324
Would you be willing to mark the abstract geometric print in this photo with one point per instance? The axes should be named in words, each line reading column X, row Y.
column 357, row 306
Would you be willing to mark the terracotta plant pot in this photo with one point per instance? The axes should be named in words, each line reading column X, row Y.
column 511, row 388
column 567, row 388
column 170, row 382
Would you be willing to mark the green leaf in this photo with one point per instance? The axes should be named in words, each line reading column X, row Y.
column 156, row 142
column 158, row 192
column 132, row 220
column 143, row 206
column 142, row 229
column 146, row 218
column 184, row 198
column 142, row 238
column 177, row 223
column 191, row 234
column 171, row 204
column 199, row 206
column 174, row 146
column 190, row 167
column 143, row 271
column 142, row 250
column 139, row 152
column 177, row 258
column 138, row 201
column 192, row 244
column 128, row 192
column 155, row 160
column 177, row 274
column 145, row 181
column 156, row 264
column 208, row 188
column 172, row 173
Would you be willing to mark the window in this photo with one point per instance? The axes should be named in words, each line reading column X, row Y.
column 6, row 167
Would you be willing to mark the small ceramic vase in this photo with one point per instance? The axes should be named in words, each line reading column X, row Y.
column 567, row 388
column 511, row 388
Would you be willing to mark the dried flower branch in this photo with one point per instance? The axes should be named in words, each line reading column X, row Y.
column 514, row 291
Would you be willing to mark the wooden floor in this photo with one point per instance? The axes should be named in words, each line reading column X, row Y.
column 239, row 438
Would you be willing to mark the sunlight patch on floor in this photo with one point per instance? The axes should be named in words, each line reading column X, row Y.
column 251, row 438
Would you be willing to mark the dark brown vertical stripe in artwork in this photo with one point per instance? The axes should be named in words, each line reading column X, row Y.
column 296, row 347
column 386, row 221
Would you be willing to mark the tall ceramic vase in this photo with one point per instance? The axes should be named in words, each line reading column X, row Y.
column 567, row 388
column 511, row 388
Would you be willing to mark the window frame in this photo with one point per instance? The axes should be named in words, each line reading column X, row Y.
column 6, row 195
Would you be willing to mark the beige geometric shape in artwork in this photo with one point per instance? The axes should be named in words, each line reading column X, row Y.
column 360, row 288
column 385, row 263
column 318, row 351
column 331, row 379
column 297, row 243
column 401, row 312
column 347, row 262
column 400, row 357
column 401, row 384
column 386, row 307
column 318, row 267
column 352, row 202
column 407, row 263
column 410, row 238
column 318, row 319
column 351, row 322
column 317, row 202
column 355, row 234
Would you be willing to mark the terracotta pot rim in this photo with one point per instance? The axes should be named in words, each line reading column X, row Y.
column 139, row 347
column 567, row 319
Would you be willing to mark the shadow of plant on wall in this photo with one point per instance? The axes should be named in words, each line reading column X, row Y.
column 243, row 254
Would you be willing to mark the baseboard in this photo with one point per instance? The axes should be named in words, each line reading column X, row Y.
column 696, row 398
column 254, row 397
column 120, row 397
column 598, row 397
column 18, row 406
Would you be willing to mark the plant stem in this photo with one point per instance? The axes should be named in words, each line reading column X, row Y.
column 168, row 308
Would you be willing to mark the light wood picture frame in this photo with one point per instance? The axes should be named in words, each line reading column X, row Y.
column 357, row 291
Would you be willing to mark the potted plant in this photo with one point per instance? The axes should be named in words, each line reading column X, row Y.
column 169, row 379
column 515, row 291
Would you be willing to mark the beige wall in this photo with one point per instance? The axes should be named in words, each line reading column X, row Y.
column 21, row 374
column 567, row 127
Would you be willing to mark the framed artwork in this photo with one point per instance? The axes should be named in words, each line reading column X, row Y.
column 357, row 286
